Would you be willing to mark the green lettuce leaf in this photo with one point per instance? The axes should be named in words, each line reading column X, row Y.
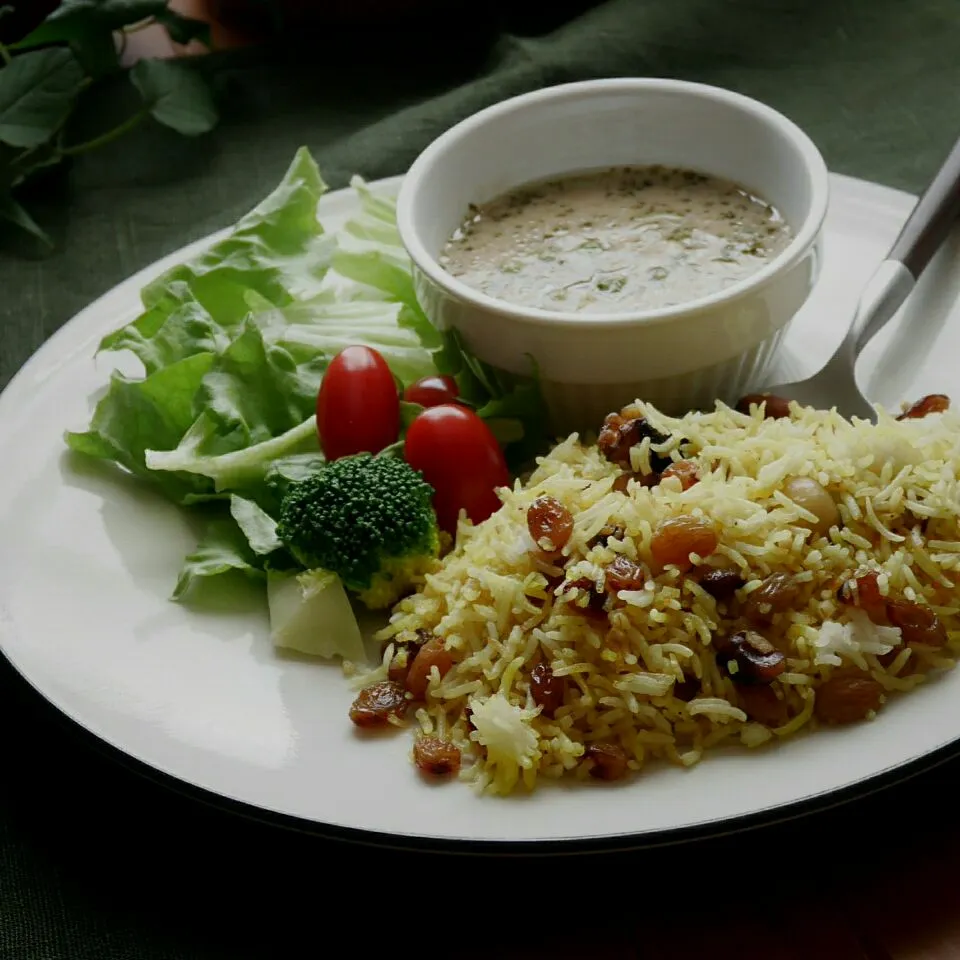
column 316, row 330
column 180, row 329
column 291, row 469
column 255, row 391
column 222, row 549
column 369, row 250
column 240, row 470
column 152, row 413
column 257, row 525
column 278, row 252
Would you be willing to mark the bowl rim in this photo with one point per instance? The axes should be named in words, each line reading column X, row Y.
column 417, row 179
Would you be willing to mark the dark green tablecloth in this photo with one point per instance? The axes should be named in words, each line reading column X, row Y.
column 96, row 862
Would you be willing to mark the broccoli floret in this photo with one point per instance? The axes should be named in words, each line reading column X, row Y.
column 368, row 519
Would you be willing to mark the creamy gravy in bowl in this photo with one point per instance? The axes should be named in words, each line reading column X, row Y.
column 625, row 239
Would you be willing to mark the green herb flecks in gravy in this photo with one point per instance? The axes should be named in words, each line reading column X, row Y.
column 624, row 239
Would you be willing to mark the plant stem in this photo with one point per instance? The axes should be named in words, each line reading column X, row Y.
column 107, row 137
column 5, row 55
column 27, row 154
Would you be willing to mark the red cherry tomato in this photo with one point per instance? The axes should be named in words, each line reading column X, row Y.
column 432, row 391
column 358, row 409
column 461, row 459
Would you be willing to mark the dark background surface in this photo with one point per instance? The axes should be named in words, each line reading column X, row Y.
column 96, row 862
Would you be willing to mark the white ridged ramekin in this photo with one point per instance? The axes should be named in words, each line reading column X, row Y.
column 717, row 347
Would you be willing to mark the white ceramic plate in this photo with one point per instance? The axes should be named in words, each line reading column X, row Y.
column 87, row 563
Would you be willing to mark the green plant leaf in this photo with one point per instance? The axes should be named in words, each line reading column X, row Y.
column 36, row 93
column 14, row 213
column 74, row 19
column 17, row 19
column 184, row 29
column 177, row 96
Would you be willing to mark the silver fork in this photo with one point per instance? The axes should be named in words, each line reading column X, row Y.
column 925, row 230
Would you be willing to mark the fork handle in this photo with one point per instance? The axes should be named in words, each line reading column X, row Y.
column 925, row 230
column 882, row 296
column 932, row 218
